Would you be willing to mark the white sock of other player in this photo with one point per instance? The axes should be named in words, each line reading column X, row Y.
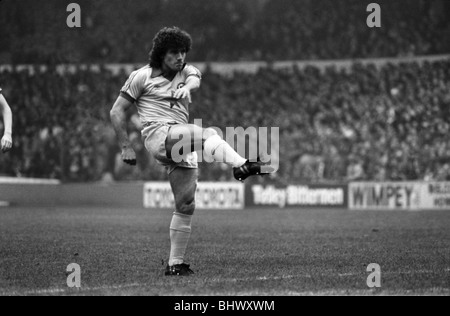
column 221, row 151
column 180, row 232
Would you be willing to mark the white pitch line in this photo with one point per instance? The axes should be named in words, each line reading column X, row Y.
column 414, row 272
column 233, row 280
column 72, row 291
column 309, row 276
column 34, row 292
column 340, row 292
column 4, row 204
column 284, row 277
column 348, row 274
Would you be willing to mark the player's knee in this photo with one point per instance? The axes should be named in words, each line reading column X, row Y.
column 208, row 132
column 186, row 207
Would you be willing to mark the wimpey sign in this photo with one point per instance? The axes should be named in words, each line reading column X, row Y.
column 208, row 196
column 399, row 195
column 385, row 196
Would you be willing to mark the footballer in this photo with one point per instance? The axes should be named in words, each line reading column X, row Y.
column 161, row 91
column 5, row 111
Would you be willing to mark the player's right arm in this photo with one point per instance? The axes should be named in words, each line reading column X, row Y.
column 129, row 93
column 5, row 111
column 119, row 121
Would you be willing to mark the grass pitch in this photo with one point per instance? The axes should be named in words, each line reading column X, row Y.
column 249, row 252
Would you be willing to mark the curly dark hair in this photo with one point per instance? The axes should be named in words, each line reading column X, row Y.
column 168, row 38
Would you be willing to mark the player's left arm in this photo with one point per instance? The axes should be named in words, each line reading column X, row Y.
column 5, row 110
column 192, row 84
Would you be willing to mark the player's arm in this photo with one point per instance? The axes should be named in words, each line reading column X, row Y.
column 119, row 122
column 192, row 84
column 5, row 110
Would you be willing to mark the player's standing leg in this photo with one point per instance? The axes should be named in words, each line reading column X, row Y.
column 184, row 184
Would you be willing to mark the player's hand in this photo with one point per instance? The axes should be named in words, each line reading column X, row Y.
column 6, row 143
column 183, row 93
column 129, row 156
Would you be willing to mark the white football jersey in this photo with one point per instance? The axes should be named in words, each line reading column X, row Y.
column 154, row 96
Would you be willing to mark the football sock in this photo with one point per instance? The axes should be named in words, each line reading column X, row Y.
column 221, row 151
column 180, row 232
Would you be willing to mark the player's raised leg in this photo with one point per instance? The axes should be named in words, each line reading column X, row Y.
column 191, row 137
column 184, row 183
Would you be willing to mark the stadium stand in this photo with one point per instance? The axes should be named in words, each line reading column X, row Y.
column 385, row 121
column 389, row 122
column 223, row 30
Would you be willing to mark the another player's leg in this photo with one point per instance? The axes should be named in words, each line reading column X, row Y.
column 214, row 146
column 184, row 183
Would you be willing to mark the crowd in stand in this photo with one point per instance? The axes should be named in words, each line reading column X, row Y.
column 120, row 31
column 367, row 122
column 380, row 123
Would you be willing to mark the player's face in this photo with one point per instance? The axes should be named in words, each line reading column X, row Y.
column 174, row 59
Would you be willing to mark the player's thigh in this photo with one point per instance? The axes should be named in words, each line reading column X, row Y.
column 184, row 184
column 190, row 137
column 184, row 136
